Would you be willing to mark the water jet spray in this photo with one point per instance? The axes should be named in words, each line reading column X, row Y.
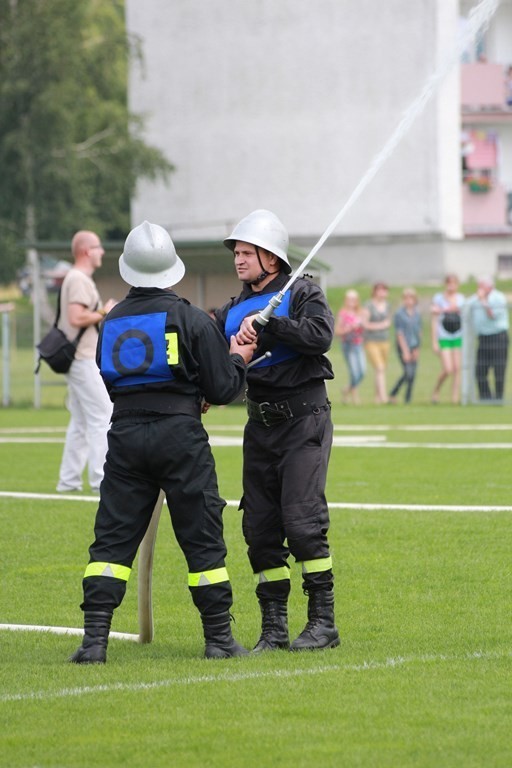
column 478, row 21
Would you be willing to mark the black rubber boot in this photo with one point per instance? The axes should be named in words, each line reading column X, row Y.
column 220, row 643
column 94, row 644
column 274, row 626
column 320, row 631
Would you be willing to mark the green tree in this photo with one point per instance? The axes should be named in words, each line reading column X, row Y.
column 70, row 150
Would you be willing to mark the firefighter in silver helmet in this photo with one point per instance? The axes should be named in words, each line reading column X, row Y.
column 288, row 435
column 159, row 357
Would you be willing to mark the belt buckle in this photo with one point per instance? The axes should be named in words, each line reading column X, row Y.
column 275, row 415
column 263, row 413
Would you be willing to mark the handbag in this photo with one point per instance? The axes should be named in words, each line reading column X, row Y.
column 56, row 349
column 451, row 322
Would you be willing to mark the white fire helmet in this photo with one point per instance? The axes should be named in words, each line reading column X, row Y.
column 149, row 258
column 264, row 229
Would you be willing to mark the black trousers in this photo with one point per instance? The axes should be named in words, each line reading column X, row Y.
column 173, row 454
column 492, row 353
column 284, row 477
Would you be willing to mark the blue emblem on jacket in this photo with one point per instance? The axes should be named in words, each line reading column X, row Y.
column 134, row 350
column 252, row 305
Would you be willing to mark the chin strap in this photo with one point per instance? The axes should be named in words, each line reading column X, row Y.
column 263, row 274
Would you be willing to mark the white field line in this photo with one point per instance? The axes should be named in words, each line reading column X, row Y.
column 340, row 442
column 384, row 428
column 48, row 496
column 337, row 428
column 368, row 441
column 33, row 440
column 62, row 630
column 422, row 428
column 332, row 504
column 391, row 427
column 235, row 677
column 34, row 435
column 31, row 430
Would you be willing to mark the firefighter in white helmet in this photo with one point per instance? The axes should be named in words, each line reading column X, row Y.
column 288, row 436
column 159, row 357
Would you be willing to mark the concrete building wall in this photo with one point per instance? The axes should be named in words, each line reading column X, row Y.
column 285, row 105
column 480, row 255
column 205, row 291
column 201, row 287
column 446, row 108
column 399, row 260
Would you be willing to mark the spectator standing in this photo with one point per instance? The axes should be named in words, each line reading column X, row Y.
column 490, row 319
column 407, row 321
column 446, row 332
column 376, row 315
column 87, row 399
column 288, row 437
column 349, row 329
column 159, row 356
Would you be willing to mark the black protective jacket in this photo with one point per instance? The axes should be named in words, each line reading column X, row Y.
column 307, row 330
column 156, row 342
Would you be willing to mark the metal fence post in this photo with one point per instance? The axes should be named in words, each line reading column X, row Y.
column 468, row 353
column 5, row 309
column 33, row 260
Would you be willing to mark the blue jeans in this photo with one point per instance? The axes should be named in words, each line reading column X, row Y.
column 356, row 362
column 407, row 378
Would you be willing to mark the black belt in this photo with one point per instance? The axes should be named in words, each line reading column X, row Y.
column 157, row 402
column 270, row 414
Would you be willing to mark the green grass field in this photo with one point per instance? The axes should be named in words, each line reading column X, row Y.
column 421, row 537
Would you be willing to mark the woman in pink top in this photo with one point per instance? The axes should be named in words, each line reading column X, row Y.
column 349, row 329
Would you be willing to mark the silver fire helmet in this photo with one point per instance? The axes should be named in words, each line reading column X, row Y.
column 264, row 229
column 149, row 258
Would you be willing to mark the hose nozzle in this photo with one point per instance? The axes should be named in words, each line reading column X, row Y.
column 264, row 316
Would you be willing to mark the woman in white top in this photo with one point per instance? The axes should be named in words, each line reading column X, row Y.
column 446, row 327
